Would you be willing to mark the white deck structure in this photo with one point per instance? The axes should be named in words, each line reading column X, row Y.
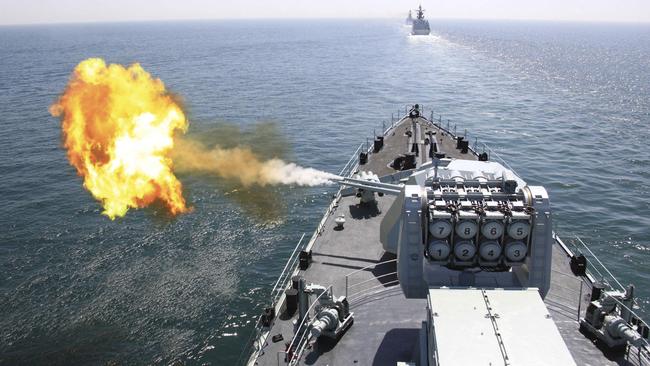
column 493, row 327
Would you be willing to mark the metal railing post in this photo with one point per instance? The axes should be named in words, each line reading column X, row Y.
column 580, row 300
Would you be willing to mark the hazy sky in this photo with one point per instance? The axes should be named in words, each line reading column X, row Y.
column 65, row 11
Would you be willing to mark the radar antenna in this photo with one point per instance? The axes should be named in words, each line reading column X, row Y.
column 420, row 12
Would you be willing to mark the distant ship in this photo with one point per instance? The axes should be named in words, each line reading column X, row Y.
column 420, row 25
column 409, row 19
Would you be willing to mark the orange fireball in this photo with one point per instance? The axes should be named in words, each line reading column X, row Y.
column 118, row 128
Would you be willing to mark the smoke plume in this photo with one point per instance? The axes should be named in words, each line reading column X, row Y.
column 240, row 164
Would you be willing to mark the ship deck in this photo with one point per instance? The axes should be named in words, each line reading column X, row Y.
column 397, row 142
column 386, row 325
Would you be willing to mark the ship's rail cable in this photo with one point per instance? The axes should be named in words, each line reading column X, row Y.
column 368, row 297
column 370, row 266
column 279, row 285
column 295, row 355
column 254, row 338
column 276, row 294
column 348, row 168
column 387, row 286
column 600, row 263
column 501, row 160
column 374, row 265
column 370, row 279
column 590, row 276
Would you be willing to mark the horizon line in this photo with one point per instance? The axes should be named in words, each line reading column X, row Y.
column 98, row 22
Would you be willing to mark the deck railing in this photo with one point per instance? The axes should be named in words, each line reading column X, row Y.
column 285, row 275
column 257, row 338
column 349, row 167
column 300, row 338
column 349, row 285
column 596, row 268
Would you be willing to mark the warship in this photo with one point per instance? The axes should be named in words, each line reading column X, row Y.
column 420, row 25
column 434, row 251
column 409, row 19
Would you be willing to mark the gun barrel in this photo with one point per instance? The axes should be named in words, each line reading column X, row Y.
column 379, row 187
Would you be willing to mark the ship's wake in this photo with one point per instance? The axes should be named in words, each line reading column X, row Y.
column 431, row 38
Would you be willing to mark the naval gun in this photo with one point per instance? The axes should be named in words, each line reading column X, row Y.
column 369, row 182
column 463, row 223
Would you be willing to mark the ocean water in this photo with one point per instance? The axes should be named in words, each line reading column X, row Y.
column 566, row 104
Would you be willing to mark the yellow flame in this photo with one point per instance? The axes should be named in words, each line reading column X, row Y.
column 118, row 128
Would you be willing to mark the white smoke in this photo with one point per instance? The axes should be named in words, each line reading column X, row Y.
column 276, row 171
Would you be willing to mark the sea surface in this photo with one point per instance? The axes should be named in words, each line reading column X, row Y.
column 566, row 104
